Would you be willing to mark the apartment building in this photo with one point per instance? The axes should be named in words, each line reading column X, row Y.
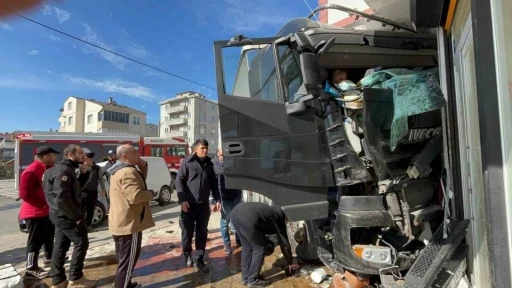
column 93, row 116
column 190, row 116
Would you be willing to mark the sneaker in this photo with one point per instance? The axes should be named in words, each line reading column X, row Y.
column 83, row 283
column 48, row 262
column 259, row 283
column 38, row 273
column 189, row 260
column 201, row 266
column 63, row 284
column 227, row 249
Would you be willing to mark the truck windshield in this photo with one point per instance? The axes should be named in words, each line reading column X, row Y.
column 250, row 71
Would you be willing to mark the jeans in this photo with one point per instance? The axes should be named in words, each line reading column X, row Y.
column 225, row 220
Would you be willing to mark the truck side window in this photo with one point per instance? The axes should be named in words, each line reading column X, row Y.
column 250, row 71
column 290, row 71
column 157, row 151
column 176, row 151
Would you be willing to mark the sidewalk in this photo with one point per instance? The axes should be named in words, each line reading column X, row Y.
column 162, row 265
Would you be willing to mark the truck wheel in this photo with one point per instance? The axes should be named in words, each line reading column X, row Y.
column 164, row 197
column 100, row 214
column 301, row 241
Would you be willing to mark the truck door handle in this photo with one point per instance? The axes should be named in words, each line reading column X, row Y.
column 233, row 149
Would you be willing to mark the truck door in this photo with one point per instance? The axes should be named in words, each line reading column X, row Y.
column 280, row 156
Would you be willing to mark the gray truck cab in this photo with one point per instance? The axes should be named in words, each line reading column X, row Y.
column 361, row 168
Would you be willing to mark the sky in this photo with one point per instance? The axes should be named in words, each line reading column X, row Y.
column 41, row 68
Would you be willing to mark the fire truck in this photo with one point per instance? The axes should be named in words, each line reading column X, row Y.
column 171, row 149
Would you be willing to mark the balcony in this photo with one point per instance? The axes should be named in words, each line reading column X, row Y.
column 179, row 121
column 176, row 109
column 180, row 134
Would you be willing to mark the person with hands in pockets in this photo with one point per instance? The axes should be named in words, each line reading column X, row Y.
column 129, row 212
column 62, row 191
column 196, row 179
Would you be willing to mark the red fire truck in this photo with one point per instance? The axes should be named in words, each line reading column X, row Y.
column 171, row 149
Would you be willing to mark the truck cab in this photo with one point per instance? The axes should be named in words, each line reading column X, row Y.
column 359, row 169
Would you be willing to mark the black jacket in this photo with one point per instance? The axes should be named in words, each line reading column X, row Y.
column 261, row 218
column 226, row 194
column 196, row 178
column 62, row 190
column 90, row 180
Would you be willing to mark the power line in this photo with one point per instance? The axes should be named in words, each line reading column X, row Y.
column 115, row 53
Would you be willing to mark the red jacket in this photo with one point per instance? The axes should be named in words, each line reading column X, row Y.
column 31, row 192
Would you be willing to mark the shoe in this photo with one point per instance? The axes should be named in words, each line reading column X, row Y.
column 90, row 230
column 189, row 260
column 83, row 283
column 244, row 282
column 259, row 283
column 48, row 262
column 133, row 285
column 201, row 266
column 63, row 284
column 37, row 272
column 227, row 249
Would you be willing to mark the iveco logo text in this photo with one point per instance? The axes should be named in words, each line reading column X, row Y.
column 423, row 134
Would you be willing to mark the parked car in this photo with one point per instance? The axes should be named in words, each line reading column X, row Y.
column 159, row 179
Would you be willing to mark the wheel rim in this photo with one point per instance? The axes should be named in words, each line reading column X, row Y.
column 98, row 215
column 166, row 195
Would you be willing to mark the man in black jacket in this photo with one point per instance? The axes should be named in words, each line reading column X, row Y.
column 196, row 178
column 62, row 191
column 89, row 182
column 229, row 199
column 252, row 221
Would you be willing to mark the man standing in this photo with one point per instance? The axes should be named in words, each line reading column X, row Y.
column 112, row 159
column 34, row 210
column 196, row 178
column 93, row 177
column 229, row 199
column 129, row 213
column 60, row 184
column 252, row 221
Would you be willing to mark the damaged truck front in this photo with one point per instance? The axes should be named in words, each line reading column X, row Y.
column 355, row 160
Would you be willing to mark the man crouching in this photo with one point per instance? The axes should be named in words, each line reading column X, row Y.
column 129, row 212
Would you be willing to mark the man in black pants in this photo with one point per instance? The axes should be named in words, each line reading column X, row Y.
column 63, row 195
column 252, row 221
column 34, row 210
column 196, row 178
column 129, row 213
column 91, row 179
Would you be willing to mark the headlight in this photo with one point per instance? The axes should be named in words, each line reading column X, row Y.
column 375, row 254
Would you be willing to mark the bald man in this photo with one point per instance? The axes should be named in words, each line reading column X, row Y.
column 129, row 212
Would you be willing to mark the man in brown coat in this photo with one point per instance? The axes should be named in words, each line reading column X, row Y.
column 129, row 212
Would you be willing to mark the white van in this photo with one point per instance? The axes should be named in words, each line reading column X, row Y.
column 159, row 179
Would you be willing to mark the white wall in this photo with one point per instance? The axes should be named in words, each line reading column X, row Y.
column 91, row 109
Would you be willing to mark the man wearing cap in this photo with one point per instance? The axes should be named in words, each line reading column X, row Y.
column 34, row 210
column 112, row 159
column 91, row 178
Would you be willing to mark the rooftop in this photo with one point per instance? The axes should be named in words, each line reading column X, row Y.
column 111, row 103
column 187, row 95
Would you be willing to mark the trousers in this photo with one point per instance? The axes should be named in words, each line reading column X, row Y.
column 67, row 232
column 41, row 231
column 90, row 205
column 195, row 219
column 127, row 253
column 253, row 250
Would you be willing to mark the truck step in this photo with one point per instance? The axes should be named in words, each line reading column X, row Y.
column 453, row 270
column 433, row 257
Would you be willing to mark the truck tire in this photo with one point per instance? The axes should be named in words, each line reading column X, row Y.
column 299, row 237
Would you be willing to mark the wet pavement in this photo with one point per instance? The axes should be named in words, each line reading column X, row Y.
column 162, row 265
